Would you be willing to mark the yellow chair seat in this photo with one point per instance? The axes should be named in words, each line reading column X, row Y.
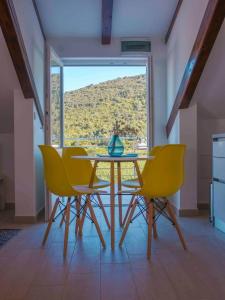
column 132, row 183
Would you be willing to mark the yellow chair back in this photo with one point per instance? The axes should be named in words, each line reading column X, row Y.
column 55, row 174
column 153, row 152
column 79, row 171
column 164, row 175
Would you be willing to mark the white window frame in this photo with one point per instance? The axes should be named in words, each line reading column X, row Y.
column 123, row 61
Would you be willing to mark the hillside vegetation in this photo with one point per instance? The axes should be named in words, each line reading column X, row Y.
column 90, row 114
column 92, row 111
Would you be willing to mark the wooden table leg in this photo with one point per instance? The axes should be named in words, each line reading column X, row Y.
column 138, row 173
column 112, row 205
column 93, row 174
column 120, row 196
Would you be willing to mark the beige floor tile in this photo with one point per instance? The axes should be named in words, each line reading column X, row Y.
column 44, row 293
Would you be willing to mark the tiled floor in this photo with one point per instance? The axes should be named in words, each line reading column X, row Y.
column 28, row 271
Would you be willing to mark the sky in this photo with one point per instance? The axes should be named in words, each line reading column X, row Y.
column 78, row 77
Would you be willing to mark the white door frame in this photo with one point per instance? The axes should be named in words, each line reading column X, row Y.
column 50, row 53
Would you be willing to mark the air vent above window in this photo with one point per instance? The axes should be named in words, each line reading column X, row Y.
column 135, row 46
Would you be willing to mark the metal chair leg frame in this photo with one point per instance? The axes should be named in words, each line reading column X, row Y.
column 83, row 218
column 64, row 212
column 77, row 223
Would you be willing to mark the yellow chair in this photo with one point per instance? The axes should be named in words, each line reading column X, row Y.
column 135, row 184
column 79, row 173
column 163, row 177
column 58, row 183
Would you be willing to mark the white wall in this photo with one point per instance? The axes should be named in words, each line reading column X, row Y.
column 28, row 130
column 179, row 48
column 210, row 92
column 210, row 97
column 189, row 137
column 24, row 160
column 92, row 48
column 28, row 134
column 180, row 44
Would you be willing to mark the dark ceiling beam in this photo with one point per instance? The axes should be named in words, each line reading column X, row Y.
column 208, row 31
column 13, row 37
column 173, row 20
column 107, row 8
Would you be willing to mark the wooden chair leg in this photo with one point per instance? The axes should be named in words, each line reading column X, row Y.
column 128, row 210
column 150, row 223
column 66, row 228
column 155, row 234
column 128, row 222
column 172, row 215
column 50, row 221
column 78, row 215
column 95, row 221
column 103, row 210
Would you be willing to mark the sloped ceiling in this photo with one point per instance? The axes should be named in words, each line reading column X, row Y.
column 82, row 18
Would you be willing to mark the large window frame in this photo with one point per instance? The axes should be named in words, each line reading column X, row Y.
column 121, row 61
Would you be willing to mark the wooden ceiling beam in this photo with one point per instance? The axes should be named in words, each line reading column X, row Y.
column 16, row 47
column 173, row 20
column 208, row 31
column 107, row 8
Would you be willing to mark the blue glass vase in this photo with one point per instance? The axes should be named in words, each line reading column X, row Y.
column 115, row 146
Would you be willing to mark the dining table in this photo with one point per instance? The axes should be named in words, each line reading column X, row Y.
column 114, row 160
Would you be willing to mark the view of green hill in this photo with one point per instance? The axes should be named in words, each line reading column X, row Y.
column 91, row 112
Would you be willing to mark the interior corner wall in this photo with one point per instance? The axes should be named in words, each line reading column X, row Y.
column 38, row 139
